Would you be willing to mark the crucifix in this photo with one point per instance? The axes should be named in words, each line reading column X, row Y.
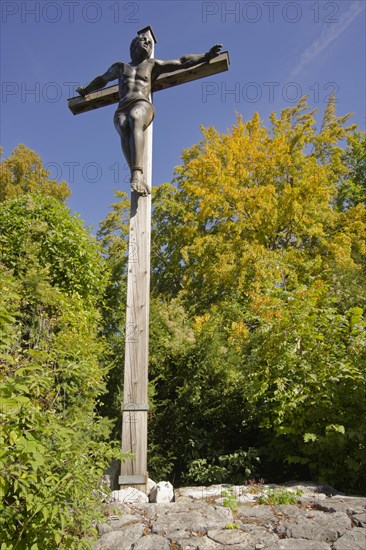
column 137, row 80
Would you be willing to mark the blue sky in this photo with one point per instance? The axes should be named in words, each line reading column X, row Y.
column 279, row 51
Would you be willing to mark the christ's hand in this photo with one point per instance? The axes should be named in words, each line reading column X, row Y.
column 81, row 91
column 214, row 51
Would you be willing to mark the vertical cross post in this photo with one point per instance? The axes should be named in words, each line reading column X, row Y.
column 135, row 393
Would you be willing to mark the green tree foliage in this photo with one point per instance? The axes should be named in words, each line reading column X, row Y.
column 23, row 172
column 53, row 444
column 198, row 408
column 269, row 275
column 112, row 236
column 352, row 190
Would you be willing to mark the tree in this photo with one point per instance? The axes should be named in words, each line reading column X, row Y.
column 54, row 445
column 253, row 247
column 352, row 189
column 112, row 236
column 249, row 194
column 23, row 172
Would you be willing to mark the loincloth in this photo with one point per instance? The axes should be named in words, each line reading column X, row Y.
column 125, row 106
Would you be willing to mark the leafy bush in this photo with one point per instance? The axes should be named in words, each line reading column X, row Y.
column 54, row 446
column 233, row 468
column 39, row 238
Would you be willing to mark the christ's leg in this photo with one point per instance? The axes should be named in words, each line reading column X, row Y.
column 123, row 128
column 140, row 117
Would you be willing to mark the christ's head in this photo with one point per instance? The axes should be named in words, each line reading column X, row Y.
column 141, row 48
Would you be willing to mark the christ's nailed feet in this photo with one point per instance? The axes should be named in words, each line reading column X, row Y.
column 138, row 183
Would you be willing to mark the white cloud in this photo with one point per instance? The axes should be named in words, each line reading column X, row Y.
column 328, row 34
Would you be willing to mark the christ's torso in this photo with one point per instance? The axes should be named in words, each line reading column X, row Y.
column 135, row 81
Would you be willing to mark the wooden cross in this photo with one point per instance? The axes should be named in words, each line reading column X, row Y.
column 135, row 399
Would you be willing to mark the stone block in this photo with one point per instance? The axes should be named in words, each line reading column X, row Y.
column 316, row 526
column 300, row 544
column 261, row 514
column 129, row 494
column 120, row 540
column 152, row 542
column 350, row 505
column 355, row 539
column 198, row 519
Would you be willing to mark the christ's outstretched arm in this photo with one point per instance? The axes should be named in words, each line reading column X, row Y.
column 100, row 81
column 186, row 61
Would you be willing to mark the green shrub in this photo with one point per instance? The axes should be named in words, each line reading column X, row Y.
column 54, row 446
column 233, row 468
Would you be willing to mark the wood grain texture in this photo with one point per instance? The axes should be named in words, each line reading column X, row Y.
column 135, row 386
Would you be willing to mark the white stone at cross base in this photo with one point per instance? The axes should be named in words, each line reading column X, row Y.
column 162, row 492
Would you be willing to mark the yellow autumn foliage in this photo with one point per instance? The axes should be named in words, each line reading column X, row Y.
column 23, row 172
column 257, row 206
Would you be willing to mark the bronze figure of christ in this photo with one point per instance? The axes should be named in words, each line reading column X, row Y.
column 135, row 111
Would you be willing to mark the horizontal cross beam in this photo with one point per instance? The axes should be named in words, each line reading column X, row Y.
column 110, row 95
